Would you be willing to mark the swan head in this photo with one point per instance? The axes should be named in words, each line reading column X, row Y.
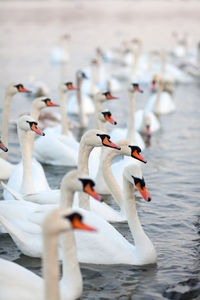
column 27, row 123
column 3, row 147
column 106, row 116
column 67, row 86
column 71, row 181
column 14, row 88
column 43, row 102
column 133, row 173
column 104, row 96
column 62, row 220
column 97, row 138
column 134, row 87
column 136, row 153
column 80, row 74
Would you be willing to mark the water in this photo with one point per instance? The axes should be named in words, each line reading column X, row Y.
column 171, row 219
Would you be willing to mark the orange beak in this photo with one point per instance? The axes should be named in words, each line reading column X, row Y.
column 108, row 143
column 3, row 147
column 139, row 90
column 148, row 131
column 71, row 87
column 90, row 191
column 110, row 119
column 144, row 192
column 22, row 89
column 109, row 96
column 138, row 156
column 49, row 103
column 153, row 85
column 77, row 224
column 37, row 130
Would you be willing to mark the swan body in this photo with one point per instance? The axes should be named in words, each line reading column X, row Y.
column 165, row 106
column 59, row 146
column 100, row 248
column 143, row 118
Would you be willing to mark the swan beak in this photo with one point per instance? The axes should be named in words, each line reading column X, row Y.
column 110, row 97
column 148, row 131
column 37, row 130
column 110, row 120
column 49, row 103
column 138, row 156
column 144, row 192
column 153, row 85
column 90, row 191
column 3, row 147
column 77, row 224
column 22, row 89
column 71, row 87
column 139, row 90
column 108, row 143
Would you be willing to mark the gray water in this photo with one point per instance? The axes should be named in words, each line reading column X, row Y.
column 172, row 218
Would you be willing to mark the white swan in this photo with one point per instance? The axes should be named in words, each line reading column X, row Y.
column 100, row 248
column 160, row 102
column 25, row 124
column 59, row 147
column 40, row 181
column 80, row 104
column 12, row 89
column 27, row 285
column 131, row 134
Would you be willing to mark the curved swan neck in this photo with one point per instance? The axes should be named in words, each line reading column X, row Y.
column 94, row 79
column 102, row 126
column 131, row 129
column 160, row 90
column 51, row 272
column 66, row 196
column 131, row 213
column 35, row 112
column 109, row 177
column 83, row 157
column 27, row 181
column 5, row 120
column 98, row 109
column 72, row 279
column 64, row 118
column 82, row 115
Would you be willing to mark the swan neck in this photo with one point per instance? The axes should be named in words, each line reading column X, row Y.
column 27, row 181
column 94, row 79
column 131, row 212
column 82, row 115
column 64, row 118
column 51, row 272
column 109, row 177
column 35, row 112
column 102, row 126
column 66, row 197
column 131, row 130
column 5, row 120
column 98, row 109
column 83, row 157
column 160, row 90
column 71, row 279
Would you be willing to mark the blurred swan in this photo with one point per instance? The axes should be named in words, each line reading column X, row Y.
column 27, row 285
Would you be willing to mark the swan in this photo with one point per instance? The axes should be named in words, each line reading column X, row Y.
column 60, row 53
column 59, row 147
column 40, row 181
column 27, row 285
column 100, row 248
column 12, row 89
column 130, row 134
column 80, row 104
column 160, row 102
column 25, row 124
column 90, row 86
